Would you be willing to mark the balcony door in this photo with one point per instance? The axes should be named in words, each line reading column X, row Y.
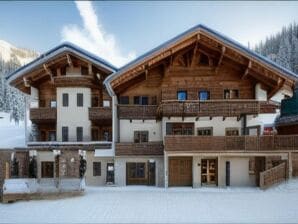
column 209, row 172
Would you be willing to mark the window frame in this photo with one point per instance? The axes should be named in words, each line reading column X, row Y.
column 204, row 91
column 65, row 99
column 80, row 100
column 205, row 129
column 179, row 92
column 80, row 134
column 63, row 129
column 96, row 169
column 232, row 129
column 141, row 136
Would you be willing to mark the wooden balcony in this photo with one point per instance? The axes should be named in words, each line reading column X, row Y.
column 230, row 143
column 137, row 111
column 43, row 115
column 100, row 113
column 139, row 149
column 214, row 108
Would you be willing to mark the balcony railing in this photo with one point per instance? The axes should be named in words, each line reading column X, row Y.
column 86, row 145
column 137, row 111
column 100, row 113
column 147, row 148
column 43, row 114
column 212, row 108
column 230, row 143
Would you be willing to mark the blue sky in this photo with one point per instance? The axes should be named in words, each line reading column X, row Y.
column 120, row 31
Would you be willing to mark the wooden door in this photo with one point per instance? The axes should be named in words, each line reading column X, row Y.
column 180, row 171
column 209, row 171
column 47, row 169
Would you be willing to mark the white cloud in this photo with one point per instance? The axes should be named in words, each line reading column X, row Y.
column 93, row 37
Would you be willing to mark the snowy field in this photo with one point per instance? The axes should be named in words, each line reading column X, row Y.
column 12, row 135
column 157, row 205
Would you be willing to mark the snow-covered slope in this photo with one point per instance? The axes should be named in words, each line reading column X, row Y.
column 12, row 134
column 7, row 51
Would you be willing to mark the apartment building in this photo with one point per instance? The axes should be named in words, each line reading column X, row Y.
column 70, row 113
column 199, row 110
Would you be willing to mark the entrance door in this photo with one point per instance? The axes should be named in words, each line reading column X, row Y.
column 209, row 171
column 228, row 173
column 47, row 169
column 180, row 171
column 151, row 173
column 110, row 173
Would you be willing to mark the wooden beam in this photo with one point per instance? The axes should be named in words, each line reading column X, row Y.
column 89, row 69
column 280, row 83
column 26, row 82
column 69, row 61
column 48, row 71
column 194, row 53
column 223, row 50
column 246, row 70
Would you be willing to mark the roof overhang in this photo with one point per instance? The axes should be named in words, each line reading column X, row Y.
column 187, row 38
column 55, row 52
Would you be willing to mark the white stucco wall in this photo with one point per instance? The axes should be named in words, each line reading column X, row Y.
column 239, row 171
column 127, row 129
column 96, row 180
column 73, row 116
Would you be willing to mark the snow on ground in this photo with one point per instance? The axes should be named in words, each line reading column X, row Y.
column 12, row 135
column 159, row 205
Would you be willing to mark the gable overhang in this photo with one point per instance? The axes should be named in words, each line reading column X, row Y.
column 64, row 48
column 188, row 38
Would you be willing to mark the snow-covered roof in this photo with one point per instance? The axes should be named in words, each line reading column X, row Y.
column 226, row 40
column 64, row 47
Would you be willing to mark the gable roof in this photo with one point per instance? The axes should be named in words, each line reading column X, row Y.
column 192, row 31
column 64, row 47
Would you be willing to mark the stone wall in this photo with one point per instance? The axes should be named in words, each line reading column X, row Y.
column 69, row 164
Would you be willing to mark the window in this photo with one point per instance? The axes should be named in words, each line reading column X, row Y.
column 231, row 94
column 106, row 103
column 79, row 134
column 53, row 104
column 204, row 95
column 140, row 100
column 182, row 95
column 232, row 131
column 64, row 134
column 96, row 168
column 141, row 136
column 80, row 99
column 47, row 169
column 124, row 99
column 52, row 136
column 180, row 128
column 205, row 131
column 65, row 99
column 136, row 170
